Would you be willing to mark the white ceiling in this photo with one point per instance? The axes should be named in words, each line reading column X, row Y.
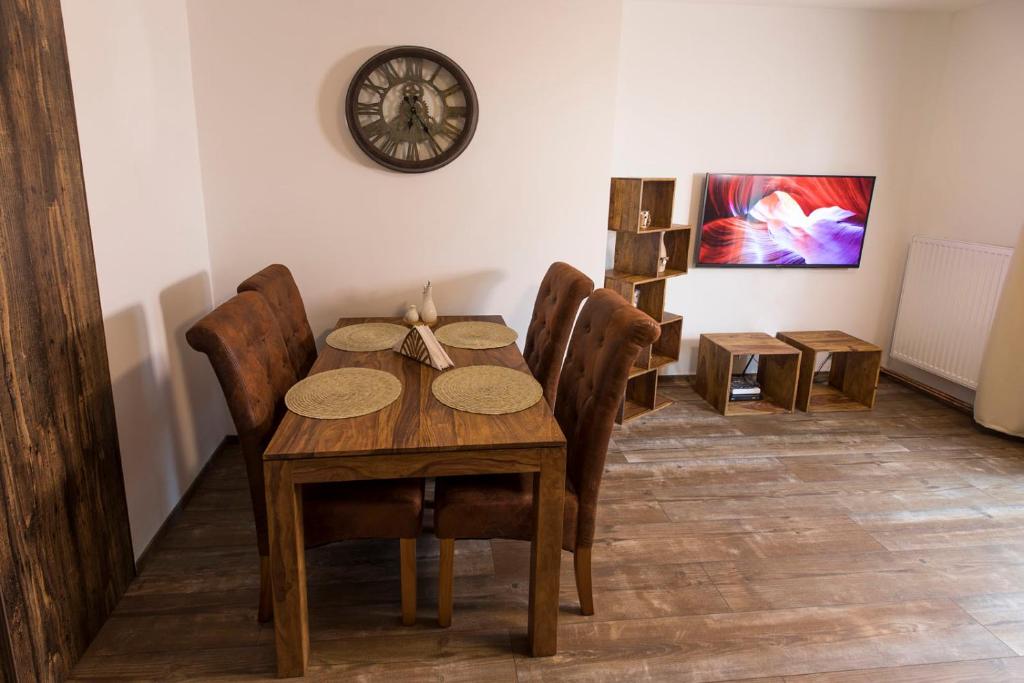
column 915, row 5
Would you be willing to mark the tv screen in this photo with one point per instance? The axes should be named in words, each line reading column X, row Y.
column 756, row 220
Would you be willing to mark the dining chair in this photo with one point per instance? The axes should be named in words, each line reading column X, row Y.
column 561, row 292
column 608, row 336
column 276, row 284
column 244, row 343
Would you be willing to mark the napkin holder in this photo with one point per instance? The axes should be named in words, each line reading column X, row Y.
column 421, row 344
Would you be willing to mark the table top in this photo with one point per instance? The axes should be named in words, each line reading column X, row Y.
column 755, row 343
column 416, row 421
column 832, row 341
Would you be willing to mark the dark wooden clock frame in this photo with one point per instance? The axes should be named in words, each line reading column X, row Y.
column 454, row 150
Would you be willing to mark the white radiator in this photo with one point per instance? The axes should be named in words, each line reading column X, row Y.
column 950, row 292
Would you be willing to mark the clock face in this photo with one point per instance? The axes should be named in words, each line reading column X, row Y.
column 411, row 109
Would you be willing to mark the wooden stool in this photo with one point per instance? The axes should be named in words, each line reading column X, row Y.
column 853, row 379
column 778, row 367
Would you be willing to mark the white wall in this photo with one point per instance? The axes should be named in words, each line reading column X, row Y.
column 967, row 178
column 285, row 182
column 132, row 83
column 735, row 88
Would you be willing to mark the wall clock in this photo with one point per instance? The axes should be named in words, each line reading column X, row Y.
column 411, row 109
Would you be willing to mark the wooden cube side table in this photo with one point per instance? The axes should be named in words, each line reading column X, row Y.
column 852, row 380
column 778, row 369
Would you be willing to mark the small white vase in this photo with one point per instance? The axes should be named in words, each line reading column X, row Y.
column 412, row 316
column 662, row 254
column 428, row 312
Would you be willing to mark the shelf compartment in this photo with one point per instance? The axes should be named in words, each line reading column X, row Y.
column 668, row 344
column 778, row 368
column 656, row 362
column 629, row 196
column 632, row 411
column 852, row 379
column 677, row 247
column 637, row 253
column 641, row 395
column 646, row 294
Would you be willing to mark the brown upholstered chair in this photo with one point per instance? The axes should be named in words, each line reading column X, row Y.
column 242, row 339
column 608, row 336
column 561, row 292
column 276, row 284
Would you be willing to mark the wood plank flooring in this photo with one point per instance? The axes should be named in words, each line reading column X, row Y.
column 837, row 547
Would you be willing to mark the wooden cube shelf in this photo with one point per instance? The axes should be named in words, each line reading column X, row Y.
column 636, row 277
column 645, row 292
column 667, row 347
column 642, row 396
column 638, row 253
column 677, row 246
column 778, row 369
column 630, row 196
column 852, row 379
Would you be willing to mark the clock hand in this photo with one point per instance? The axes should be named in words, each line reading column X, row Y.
column 422, row 124
column 415, row 115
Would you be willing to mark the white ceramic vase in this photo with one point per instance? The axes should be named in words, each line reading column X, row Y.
column 412, row 316
column 662, row 254
column 428, row 312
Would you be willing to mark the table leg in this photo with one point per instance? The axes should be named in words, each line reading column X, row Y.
column 546, row 552
column 287, row 569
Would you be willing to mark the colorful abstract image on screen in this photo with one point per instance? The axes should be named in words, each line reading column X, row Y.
column 784, row 220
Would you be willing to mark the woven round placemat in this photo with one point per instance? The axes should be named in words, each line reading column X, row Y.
column 348, row 392
column 487, row 389
column 366, row 336
column 476, row 335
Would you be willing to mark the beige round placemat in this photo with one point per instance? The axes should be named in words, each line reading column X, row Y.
column 487, row 389
column 348, row 392
column 476, row 335
column 366, row 336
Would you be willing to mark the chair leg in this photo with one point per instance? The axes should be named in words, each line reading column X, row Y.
column 445, row 581
column 581, row 563
column 265, row 612
column 408, row 562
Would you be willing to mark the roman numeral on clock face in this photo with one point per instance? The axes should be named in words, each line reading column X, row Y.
column 414, row 68
column 450, row 130
column 376, row 130
column 389, row 147
column 435, row 148
column 374, row 88
column 369, row 109
column 390, row 73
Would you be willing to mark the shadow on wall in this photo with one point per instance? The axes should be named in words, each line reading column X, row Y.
column 331, row 106
column 170, row 412
column 144, row 410
column 458, row 295
column 201, row 418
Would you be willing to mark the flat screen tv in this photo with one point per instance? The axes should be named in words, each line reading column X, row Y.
column 783, row 221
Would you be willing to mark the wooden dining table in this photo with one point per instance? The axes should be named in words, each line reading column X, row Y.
column 416, row 436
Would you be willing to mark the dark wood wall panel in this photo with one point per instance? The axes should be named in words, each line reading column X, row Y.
column 65, row 550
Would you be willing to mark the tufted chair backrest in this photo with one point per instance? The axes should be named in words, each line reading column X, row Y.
column 243, row 341
column 561, row 292
column 608, row 336
column 276, row 284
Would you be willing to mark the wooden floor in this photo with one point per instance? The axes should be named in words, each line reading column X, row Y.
column 881, row 546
